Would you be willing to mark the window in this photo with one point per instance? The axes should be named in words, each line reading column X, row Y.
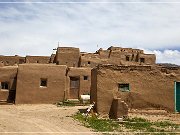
column 5, row 85
column 43, row 82
column 127, row 58
column 89, row 62
column 85, row 77
column 124, row 87
column 142, row 60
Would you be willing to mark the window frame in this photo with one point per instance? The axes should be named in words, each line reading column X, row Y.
column 124, row 87
column 3, row 84
column 127, row 58
column 142, row 60
column 46, row 83
column 86, row 77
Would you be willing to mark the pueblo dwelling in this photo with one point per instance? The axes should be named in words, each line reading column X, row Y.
column 114, row 78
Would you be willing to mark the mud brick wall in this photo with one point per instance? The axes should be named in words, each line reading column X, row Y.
column 11, row 60
column 68, row 56
column 29, row 80
column 149, row 87
column 38, row 59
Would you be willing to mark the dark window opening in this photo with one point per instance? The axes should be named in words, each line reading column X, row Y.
column 123, row 87
column 74, row 82
column 127, row 58
column 37, row 61
column 43, row 83
column 89, row 62
column 74, row 64
column 142, row 60
column 21, row 61
column 4, row 85
column 85, row 77
column 57, row 62
column 132, row 57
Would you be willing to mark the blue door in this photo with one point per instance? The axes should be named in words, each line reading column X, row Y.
column 177, row 96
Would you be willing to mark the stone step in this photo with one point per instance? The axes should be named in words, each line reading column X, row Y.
column 4, row 102
column 74, row 100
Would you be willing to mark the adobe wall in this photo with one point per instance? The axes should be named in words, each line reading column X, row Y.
column 68, row 56
column 89, row 61
column 38, row 59
column 150, row 87
column 103, row 54
column 29, row 78
column 84, row 84
column 52, row 58
column 125, row 50
column 11, row 60
column 148, row 59
column 8, row 74
column 117, row 56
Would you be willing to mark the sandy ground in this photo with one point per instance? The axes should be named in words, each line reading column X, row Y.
column 40, row 119
column 156, row 115
column 50, row 119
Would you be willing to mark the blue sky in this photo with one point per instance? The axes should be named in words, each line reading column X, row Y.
column 36, row 28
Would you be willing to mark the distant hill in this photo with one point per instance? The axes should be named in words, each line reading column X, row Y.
column 168, row 65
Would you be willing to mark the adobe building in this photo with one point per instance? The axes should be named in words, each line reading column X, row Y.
column 117, row 56
column 70, row 73
column 138, row 86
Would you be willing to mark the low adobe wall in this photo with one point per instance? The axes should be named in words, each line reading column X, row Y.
column 150, row 87
column 38, row 59
column 11, row 60
column 29, row 80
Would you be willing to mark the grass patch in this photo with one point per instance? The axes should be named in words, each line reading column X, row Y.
column 102, row 125
column 66, row 103
column 128, row 125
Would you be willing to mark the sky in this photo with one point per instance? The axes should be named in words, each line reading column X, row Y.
column 34, row 27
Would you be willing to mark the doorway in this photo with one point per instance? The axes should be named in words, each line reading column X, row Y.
column 177, row 96
column 74, row 87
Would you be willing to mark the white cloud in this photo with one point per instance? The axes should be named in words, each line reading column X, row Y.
column 35, row 29
column 166, row 56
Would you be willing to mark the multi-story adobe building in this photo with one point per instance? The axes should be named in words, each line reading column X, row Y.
column 67, row 75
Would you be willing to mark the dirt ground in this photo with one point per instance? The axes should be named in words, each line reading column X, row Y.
column 40, row 119
column 156, row 115
column 50, row 119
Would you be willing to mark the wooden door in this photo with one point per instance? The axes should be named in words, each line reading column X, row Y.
column 74, row 88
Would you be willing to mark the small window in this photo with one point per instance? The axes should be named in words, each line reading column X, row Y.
column 85, row 77
column 142, row 60
column 89, row 62
column 43, row 83
column 127, row 58
column 124, row 87
column 5, row 85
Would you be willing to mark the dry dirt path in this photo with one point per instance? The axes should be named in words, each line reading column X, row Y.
column 40, row 119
